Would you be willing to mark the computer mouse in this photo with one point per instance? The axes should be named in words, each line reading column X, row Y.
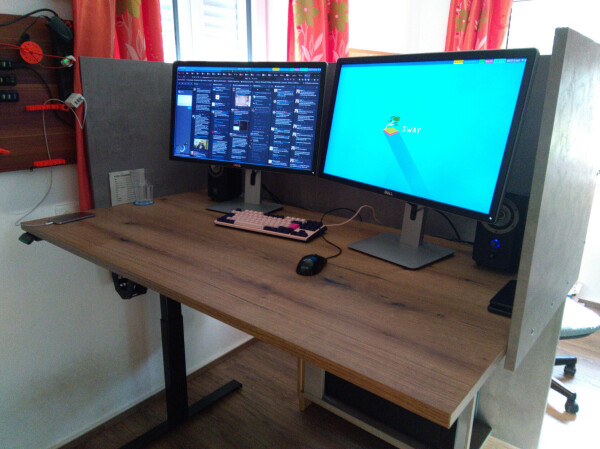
column 311, row 265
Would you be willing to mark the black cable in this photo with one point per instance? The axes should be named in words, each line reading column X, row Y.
column 458, row 237
column 10, row 22
column 352, row 211
column 271, row 194
column 50, row 95
column 334, row 245
column 38, row 74
column 24, row 36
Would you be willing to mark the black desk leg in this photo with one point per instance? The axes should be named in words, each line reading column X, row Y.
column 173, row 345
column 171, row 327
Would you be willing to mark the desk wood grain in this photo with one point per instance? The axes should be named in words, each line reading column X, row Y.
column 421, row 339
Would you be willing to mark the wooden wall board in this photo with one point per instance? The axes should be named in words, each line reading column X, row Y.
column 21, row 132
column 562, row 190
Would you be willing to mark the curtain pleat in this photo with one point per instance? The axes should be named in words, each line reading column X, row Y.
column 127, row 29
column 477, row 24
column 317, row 30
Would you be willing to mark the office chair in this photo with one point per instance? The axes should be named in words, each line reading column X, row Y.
column 578, row 321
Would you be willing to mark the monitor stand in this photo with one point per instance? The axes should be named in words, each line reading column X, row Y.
column 251, row 199
column 407, row 249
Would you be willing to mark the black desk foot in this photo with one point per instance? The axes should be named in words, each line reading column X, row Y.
column 175, row 377
column 165, row 427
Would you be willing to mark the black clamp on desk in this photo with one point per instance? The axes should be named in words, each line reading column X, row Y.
column 126, row 288
column 28, row 238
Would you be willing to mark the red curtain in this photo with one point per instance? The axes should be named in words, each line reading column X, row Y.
column 477, row 24
column 129, row 29
column 138, row 30
column 317, row 30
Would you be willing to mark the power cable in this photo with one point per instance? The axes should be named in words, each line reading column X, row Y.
column 24, row 16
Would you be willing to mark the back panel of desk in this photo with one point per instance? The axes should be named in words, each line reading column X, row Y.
column 128, row 125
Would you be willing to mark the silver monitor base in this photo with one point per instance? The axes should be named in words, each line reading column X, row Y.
column 228, row 206
column 251, row 199
column 387, row 246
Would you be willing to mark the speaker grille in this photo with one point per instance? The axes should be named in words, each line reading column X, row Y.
column 508, row 218
column 498, row 245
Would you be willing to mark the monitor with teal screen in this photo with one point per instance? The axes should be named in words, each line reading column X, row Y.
column 436, row 130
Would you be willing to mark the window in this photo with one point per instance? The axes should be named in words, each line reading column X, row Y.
column 210, row 30
column 168, row 30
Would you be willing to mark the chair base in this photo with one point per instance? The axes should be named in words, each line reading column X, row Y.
column 569, row 363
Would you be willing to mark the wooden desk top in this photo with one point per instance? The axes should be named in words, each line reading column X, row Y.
column 421, row 339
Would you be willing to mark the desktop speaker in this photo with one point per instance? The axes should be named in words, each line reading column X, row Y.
column 224, row 183
column 498, row 245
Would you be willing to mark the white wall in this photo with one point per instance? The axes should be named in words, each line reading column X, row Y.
column 72, row 353
column 589, row 275
column 62, row 7
column 399, row 26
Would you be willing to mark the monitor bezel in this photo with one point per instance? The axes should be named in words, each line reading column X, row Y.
column 531, row 54
column 244, row 64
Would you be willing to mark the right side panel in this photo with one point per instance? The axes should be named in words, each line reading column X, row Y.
column 562, row 190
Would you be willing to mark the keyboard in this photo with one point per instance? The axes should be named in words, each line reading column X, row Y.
column 293, row 228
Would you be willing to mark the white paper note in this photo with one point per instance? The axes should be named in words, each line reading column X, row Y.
column 121, row 185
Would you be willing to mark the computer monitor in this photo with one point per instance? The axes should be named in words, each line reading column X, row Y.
column 435, row 130
column 251, row 115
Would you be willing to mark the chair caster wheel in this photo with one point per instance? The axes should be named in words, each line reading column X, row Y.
column 570, row 370
column 571, row 407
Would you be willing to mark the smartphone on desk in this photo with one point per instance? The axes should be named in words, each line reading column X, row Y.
column 502, row 302
column 68, row 218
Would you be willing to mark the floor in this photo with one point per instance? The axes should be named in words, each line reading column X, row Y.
column 264, row 413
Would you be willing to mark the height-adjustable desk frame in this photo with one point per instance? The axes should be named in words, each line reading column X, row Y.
column 176, row 398
column 173, row 346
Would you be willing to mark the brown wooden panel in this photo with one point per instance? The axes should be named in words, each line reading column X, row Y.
column 21, row 132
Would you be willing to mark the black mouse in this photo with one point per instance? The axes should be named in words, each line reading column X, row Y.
column 311, row 265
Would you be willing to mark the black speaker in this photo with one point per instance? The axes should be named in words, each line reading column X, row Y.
column 498, row 245
column 224, row 183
